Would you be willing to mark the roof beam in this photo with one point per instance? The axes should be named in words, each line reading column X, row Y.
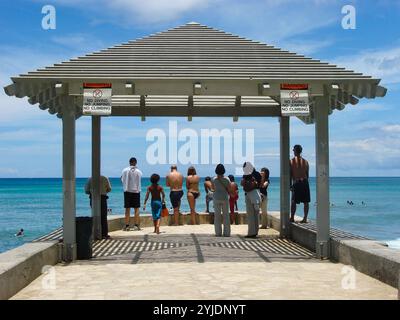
column 10, row 90
column 190, row 108
column 238, row 104
column 142, row 108
column 222, row 111
column 381, row 91
column 222, row 87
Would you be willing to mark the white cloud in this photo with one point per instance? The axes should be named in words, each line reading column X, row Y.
column 267, row 155
column 305, row 47
column 85, row 42
column 16, row 60
column 133, row 12
column 269, row 20
column 393, row 128
column 371, row 106
column 29, row 134
column 383, row 63
column 376, row 154
column 9, row 172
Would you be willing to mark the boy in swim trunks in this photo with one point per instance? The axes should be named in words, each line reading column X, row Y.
column 157, row 200
column 175, row 182
column 299, row 174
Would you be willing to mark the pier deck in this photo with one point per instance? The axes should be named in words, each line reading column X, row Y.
column 189, row 262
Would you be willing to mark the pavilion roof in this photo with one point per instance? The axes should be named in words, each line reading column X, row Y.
column 169, row 63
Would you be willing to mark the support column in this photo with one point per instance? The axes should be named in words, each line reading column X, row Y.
column 96, row 164
column 69, row 200
column 285, row 175
column 322, row 176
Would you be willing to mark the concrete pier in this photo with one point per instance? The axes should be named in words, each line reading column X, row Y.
column 189, row 262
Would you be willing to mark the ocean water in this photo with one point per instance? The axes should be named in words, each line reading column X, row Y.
column 36, row 206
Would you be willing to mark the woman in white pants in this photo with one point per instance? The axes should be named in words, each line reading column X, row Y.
column 253, row 199
column 222, row 189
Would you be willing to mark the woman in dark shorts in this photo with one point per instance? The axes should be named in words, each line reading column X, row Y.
column 157, row 200
column 193, row 192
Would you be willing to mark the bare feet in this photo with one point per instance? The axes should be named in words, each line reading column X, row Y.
column 303, row 221
column 291, row 220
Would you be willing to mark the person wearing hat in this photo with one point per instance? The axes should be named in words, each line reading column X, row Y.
column 250, row 184
column 222, row 190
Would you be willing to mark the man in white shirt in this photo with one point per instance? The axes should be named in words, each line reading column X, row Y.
column 131, row 181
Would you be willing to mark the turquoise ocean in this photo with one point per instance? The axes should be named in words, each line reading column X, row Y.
column 36, row 206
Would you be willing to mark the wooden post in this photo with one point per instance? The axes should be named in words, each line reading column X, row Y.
column 285, row 175
column 96, row 165
column 69, row 196
column 322, row 176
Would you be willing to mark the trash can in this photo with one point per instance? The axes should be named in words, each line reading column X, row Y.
column 84, row 227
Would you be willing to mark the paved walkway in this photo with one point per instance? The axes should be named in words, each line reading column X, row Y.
column 189, row 262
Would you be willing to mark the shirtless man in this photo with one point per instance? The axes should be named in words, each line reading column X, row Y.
column 175, row 182
column 299, row 174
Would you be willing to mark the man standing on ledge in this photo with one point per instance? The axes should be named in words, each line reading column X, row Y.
column 175, row 181
column 299, row 174
column 131, row 181
column 105, row 187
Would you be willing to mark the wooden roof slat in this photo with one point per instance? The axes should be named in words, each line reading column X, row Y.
column 195, row 46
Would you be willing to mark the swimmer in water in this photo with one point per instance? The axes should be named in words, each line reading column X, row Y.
column 20, row 233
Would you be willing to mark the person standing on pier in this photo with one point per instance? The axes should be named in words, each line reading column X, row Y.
column 175, row 182
column 131, row 181
column 233, row 198
column 193, row 192
column 222, row 187
column 299, row 174
column 251, row 185
column 264, row 197
column 105, row 187
column 157, row 200
column 208, row 187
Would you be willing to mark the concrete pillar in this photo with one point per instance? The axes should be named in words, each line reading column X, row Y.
column 285, row 175
column 322, row 176
column 96, row 164
column 69, row 200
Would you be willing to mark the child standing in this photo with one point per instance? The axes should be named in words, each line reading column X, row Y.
column 233, row 198
column 157, row 200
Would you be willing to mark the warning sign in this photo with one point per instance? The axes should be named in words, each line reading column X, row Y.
column 294, row 100
column 97, row 99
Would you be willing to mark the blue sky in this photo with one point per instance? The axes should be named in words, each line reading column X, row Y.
column 365, row 139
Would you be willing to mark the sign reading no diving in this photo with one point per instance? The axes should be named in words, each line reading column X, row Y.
column 294, row 100
column 97, row 99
